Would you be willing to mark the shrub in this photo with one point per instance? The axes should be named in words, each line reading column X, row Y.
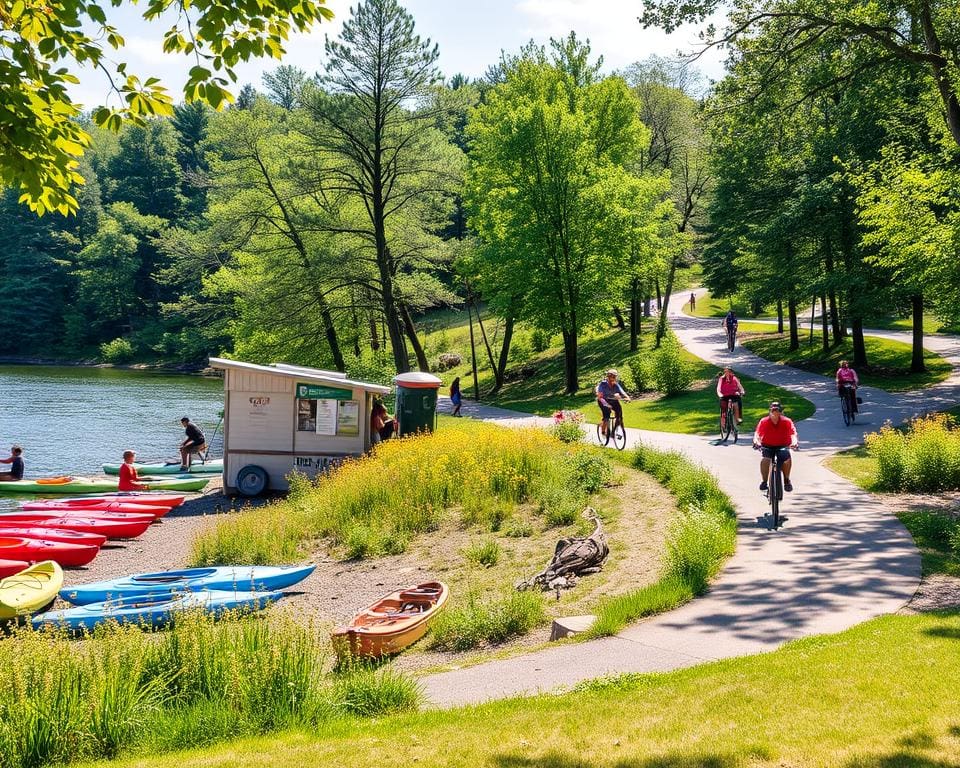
column 670, row 373
column 518, row 529
column 485, row 553
column 617, row 612
column 369, row 693
column 476, row 622
column 448, row 360
column 924, row 457
column 591, row 470
column 118, row 351
column 540, row 340
column 641, row 373
column 568, row 432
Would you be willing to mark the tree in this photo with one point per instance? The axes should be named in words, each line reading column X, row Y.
column 45, row 44
column 285, row 86
column 551, row 191
column 145, row 170
column 374, row 142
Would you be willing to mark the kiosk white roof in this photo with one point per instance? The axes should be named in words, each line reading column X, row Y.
column 300, row 373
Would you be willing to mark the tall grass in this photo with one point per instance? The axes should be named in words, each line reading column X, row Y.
column 476, row 621
column 924, row 457
column 699, row 539
column 375, row 505
column 123, row 690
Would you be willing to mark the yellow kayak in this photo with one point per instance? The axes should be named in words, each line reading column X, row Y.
column 30, row 590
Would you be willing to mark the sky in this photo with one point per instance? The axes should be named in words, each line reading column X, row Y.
column 470, row 35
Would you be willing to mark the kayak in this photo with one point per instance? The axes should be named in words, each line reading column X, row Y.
column 55, row 534
column 112, row 529
column 148, row 498
column 95, row 514
column 154, row 610
column 35, row 550
column 74, row 485
column 247, row 578
column 10, row 567
column 95, row 510
column 214, row 466
column 30, row 590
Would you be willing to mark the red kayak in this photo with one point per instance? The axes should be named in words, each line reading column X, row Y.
column 110, row 528
column 35, row 550
column 11, row 567
column 154, row 499
column 103, row 505
column 95, row 514
column 65, row 535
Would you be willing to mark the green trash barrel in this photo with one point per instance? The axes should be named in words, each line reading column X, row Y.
column 416, row 402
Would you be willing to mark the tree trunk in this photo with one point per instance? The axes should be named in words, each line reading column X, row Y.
column 473, row 356
column 618, row 316
column 412, row 335
column 824, row 324
column 570, row 362
column 662, row 323
column 501, row 368
column 635, row 315
column 859, row 347
column 756, row 308
column 374, row 334
column 916, row 362
column 646, row 306
column 656, row 285
column 483, row 335
column 779, row 315
column 794, row 325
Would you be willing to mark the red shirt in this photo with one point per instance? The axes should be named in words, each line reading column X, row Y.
column 847, row 375
column 779, row 435
column 728, row 387
column 128, row 478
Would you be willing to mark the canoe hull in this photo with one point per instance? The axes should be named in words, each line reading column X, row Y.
column 85, row 485
column 154, row 611
column 56, row 534
column 148, row 498
column 95, row 510
column 209, row 468
column 30, row 590
column 10, row 567
column 109, row 528
column 393, row 623
column 37, row 550
column 237, row 578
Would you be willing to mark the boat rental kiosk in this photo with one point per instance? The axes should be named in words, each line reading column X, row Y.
column 279, row 418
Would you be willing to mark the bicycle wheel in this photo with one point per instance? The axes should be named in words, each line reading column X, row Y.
column 776, row 493
column 845, row 408
column 725, row 426
column 732, row 421
column 603, row 439
column 619, row 435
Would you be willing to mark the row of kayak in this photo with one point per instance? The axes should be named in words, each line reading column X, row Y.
column 214, row 466
column 150, row 599
column 75, row 485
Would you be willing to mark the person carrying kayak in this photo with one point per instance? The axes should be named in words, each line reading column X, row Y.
column 129, row 481
column 16, row 464
column 194, row 443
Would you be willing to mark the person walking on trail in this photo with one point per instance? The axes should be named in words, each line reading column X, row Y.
column 846, row 375
column 693, row 301
column 776, row 434
column 129, row 481
column 15, row 460
column 455, row 397
column 195, row 442
column 609, row 394
column 729, row 389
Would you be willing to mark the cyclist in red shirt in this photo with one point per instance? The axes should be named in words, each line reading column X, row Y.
column 775, row 434
column 730, row 389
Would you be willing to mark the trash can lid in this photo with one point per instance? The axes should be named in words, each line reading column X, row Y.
column 417, row 380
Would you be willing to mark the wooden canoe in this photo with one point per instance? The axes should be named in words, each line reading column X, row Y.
column 392, row 623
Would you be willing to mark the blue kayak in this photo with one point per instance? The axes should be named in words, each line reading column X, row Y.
column 242, row 578
column 151, row 611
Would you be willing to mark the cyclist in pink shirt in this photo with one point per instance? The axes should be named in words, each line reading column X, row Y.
column 729, row 389
column 846, row 375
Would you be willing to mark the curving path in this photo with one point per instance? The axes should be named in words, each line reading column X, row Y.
column 837, row 561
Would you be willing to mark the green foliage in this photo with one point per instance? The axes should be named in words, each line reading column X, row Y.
column 476, row 622
column 117, row 351
column 615, row 613
column 669, row 371
column 641, row 373
column 923, row 458
column 485, row 553
column 540, row 340
column 568, row 431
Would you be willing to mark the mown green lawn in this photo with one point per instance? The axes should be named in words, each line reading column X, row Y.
column 881, row 695
column 708, row 306
column 889, row 361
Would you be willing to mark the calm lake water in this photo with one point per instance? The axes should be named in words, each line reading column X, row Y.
column 71, row 420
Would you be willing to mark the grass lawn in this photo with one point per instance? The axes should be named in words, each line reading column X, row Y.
column 880, row 695
column 889, row 367
column 856, row 465
column 708, row 306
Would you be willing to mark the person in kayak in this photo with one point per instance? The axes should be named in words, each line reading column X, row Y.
column 16, row 464
column 194, row 443
column 129, row 481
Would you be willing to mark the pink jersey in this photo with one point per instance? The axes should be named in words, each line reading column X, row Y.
column 728, row 387
column 847, row 376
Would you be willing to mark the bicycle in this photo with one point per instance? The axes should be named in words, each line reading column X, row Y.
column 846, row 404
column 728, row 423
column 731, row 339
column 617, row 433
column 775, row 486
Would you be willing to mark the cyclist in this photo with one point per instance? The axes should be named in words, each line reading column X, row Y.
column 609, row 394
column 775, row 434
column 729, row 389
column 846, row 375
column 730, row 323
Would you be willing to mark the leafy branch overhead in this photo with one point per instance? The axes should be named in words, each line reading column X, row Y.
column 43, row 44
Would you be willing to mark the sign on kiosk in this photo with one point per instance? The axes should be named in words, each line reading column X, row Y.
column 322, row 392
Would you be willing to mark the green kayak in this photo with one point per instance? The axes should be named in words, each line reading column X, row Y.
column 214, row 466
column 76, row 485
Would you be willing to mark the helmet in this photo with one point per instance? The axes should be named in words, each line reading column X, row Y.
column 775, row 406
column 613, row 372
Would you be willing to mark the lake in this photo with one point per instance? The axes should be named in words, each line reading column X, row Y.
column 71, row 420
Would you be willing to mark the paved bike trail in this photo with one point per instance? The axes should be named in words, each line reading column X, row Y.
column 838, row 560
